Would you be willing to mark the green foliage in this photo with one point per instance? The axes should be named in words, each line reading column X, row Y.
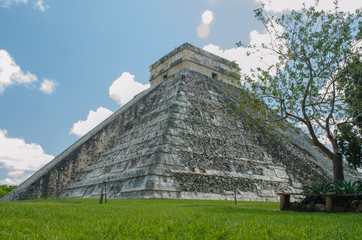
column 350, row 143
column 350, row 79
column 168, row 219
column 315, row 192
column 322, row 188
column 5, row 189
column 350, row 137
column 304, row 87
column 349, row 187
column 235, row 73
column 317, row 189
column 339, row 187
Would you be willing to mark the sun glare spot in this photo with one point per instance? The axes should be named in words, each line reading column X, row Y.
column 203, row 30
column 207, row 17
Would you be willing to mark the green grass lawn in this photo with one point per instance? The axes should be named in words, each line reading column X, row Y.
column 169, row 219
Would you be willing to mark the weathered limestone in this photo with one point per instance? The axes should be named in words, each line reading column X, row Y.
column 175, row 140
column 190, row 57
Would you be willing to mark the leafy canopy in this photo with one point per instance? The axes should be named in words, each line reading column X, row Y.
column 304, row 86
column 350, row 139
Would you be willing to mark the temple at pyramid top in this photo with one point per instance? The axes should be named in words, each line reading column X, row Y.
column 192, row 58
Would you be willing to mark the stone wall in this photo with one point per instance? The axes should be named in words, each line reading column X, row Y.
column 189, row 57
column 66, row 167
column 176, row 140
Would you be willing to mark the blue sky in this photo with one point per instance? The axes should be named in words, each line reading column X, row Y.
column 67, row 65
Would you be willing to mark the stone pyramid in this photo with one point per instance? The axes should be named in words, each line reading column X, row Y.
column 175, row 140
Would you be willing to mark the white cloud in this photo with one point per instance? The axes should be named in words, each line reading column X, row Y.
column 264, row 58
column 17, row 156
column 10, row 73
column 239, row 54
column 15, row 173
column 125, row 88
column 15, row 180
column 48, row 86
column 16, row 177
column 203, row 30
column 94, row 118
column 122, row 90
column 41, row 5
column 8, row 3
column 288, row 5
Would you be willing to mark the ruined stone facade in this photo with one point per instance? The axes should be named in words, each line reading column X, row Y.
column 190, row 57
column 175, row 140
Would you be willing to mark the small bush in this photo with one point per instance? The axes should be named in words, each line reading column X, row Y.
column 344, row 187
column 317, row 190
column 340, row 187
column 5, row 189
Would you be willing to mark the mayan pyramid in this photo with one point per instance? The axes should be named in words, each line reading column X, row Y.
column 175, row 140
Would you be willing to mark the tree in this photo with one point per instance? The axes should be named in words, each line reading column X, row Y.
column 350, row 79
column 350, row 139
column 350, row 143
column 304, row 86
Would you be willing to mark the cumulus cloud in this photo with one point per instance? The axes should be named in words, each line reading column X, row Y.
column 262, row 59
column 48, row 86
column 94, row 118
column 125, row 88
column 21, row 159
column 8, row 3
column 16, row 173
column 278, row 6
column 11, row 73
column 16, row 177
column 15, row 180
column 122, row 90
column 203, row 30
column 41, row 5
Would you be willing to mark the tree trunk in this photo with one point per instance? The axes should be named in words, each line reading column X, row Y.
column 337, row 167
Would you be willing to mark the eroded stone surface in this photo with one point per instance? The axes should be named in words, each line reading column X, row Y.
column 175, row 140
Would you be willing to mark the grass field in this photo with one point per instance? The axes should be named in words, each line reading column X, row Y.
column 169, row 219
